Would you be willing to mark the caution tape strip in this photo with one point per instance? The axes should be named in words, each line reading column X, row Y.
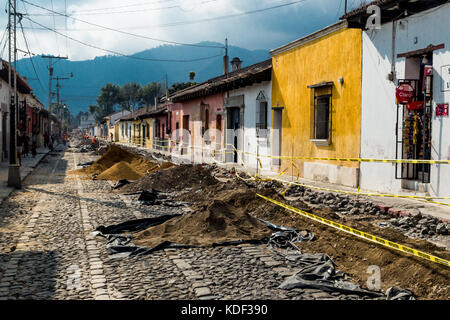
column 361, row 234
column 410, row 161
column 426, row 198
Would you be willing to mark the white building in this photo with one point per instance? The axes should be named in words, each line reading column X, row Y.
column 251, row 102
column 411, row 47
column 86, row 121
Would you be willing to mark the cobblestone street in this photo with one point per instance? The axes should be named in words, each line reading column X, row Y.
column 48, row 252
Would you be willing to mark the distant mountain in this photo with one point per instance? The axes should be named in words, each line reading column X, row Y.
column 90, row 75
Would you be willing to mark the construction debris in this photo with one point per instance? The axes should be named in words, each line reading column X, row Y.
column 118, row 164
column 217, row 194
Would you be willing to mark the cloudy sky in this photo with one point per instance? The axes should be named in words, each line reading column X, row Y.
column 186, row 21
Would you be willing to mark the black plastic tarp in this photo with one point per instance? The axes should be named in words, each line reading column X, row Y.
column 122, row 245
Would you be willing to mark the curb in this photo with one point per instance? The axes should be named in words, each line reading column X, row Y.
column 25, row 176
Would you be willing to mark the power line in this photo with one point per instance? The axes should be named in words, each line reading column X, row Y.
column 121, row 31
column 180, row 23
column 127, row 6
column 119, row 53
column 54, row 26
column 31, row 58
column 4, row 39
column 104, row 13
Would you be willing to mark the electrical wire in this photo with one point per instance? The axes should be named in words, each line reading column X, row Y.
column 121, row 31
column 4, row 39
column 127, row 6
column 31, row 56
column 181, row 23
column 119, row 53
column 103, row 12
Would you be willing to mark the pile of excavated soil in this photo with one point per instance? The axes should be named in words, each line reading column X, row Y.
column 118, row 162
column 353, row 255
column 218, row 222
column 119, row 171
column 175, row 178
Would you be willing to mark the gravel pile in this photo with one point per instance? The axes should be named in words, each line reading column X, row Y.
column 414, row 225
column 419, row 226
column 339, row 203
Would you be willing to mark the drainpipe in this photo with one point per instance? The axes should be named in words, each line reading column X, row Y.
column 394, row 31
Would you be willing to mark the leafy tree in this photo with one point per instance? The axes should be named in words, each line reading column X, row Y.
column 108, row 98
column 98, row 112
column 130, row 95
column 149, row 92
column 192, row 75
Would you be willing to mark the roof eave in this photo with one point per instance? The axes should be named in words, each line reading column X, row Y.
column 311, row 37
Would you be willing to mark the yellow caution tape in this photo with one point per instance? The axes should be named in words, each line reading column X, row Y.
column 361, row 234
column 413, row 161
column 228, row 151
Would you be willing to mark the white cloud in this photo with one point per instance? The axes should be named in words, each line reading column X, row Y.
column 264, row 30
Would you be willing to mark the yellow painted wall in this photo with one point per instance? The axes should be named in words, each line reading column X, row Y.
column 116, row 131
column 149, row 140
column 325, row 59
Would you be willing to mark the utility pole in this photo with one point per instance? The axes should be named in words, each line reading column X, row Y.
column 226, row 59
column 167, row 88
column 50, row 75
column 57, row 89
column 345, row 6
column 14, row 179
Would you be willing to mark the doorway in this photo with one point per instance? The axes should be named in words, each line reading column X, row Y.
column 276, row 136
column 414, row 120
column 234, row 123
column 186, row 138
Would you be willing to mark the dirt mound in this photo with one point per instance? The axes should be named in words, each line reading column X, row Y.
column 175, row 178
column 218, row 223
column 353, row 255
column 114, row 156
column 119, row 171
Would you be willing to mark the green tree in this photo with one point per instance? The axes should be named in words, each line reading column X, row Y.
column 149, row 92
column 107, row 100
column 192, row 75
column 130, row 96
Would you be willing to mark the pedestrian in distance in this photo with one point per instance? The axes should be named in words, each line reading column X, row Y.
column 26, row 145
column 34, row 146
column 46, row 139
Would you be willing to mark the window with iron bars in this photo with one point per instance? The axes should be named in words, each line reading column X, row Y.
column 261, row 119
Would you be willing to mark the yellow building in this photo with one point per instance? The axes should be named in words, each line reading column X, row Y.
column 316, row 104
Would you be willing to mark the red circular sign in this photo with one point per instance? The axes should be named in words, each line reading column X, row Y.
column 404, row 93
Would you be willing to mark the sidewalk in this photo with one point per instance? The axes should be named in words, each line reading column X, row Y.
column 28, row 165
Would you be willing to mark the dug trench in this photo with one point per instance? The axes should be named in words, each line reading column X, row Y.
column 196, row 185
column 218, row 196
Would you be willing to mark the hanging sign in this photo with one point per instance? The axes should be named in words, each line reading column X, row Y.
column 404, row 93
column 442, row 110
column 416, row 105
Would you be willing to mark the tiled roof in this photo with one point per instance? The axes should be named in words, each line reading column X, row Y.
column 142, row 113
column 22, row 84
column 392, row 9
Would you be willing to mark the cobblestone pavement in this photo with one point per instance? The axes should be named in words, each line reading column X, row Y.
column 47, row 250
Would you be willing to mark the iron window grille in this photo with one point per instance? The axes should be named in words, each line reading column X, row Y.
column 261, row 115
